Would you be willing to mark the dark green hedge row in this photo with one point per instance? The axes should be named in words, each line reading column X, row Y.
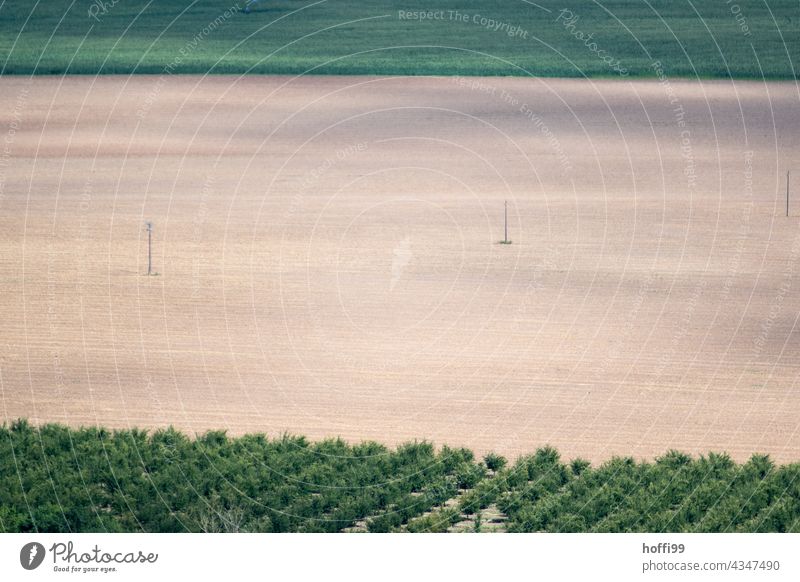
column 57, row 479
column 676, row 493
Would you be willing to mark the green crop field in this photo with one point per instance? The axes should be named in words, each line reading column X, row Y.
column 57, row 479
column 740, row 39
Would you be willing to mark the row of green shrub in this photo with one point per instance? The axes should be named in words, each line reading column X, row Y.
column 676, row 493
column 58, row 479
column 673, row 494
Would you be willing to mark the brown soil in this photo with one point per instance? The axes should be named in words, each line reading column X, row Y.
column 328, row 264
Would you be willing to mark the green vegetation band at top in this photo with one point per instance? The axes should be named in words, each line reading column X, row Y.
column 616, row 38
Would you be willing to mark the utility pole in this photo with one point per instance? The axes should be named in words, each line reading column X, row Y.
column 505, row 240
column 787, row 192
column 505, row 220
column 149, row 226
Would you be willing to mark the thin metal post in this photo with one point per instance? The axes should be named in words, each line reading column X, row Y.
column 787, row 192
column 505, row 221
column 149, row 248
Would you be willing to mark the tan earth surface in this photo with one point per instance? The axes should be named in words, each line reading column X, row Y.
column 328, row 260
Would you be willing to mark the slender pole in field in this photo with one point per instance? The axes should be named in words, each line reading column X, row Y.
column 505, row 221
column 149, row 248
column 787, row 192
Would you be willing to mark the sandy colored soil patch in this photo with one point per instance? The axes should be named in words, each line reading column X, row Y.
column 328, row 264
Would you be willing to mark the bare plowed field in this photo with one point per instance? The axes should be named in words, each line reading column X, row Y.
column 328, row 264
